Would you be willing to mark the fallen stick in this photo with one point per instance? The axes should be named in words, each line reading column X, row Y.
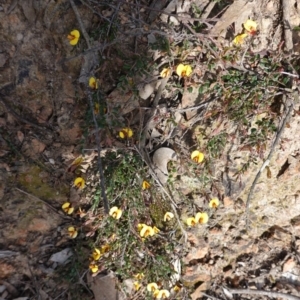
column 289, row 110
column 275, row 295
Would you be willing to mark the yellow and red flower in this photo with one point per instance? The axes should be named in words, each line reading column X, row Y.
column 115, row 212
column 73, row 37
column 197, row 156
column 184, row 70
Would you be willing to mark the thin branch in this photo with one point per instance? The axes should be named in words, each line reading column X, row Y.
column 209, row 296
column 49, row 205
column 82, row 28
column 290, row 74
column 99, row 161
column 193, row 107
column 267, row 161
column 275, row 295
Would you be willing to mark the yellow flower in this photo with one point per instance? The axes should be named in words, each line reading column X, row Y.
column 125, row 133
column 139, row 276
column 93, row 267
column 96, row 254
column 81, row 212
column 155, row 229
column 140, row 226
column 79, row 182
column 166, row 72
column 250, row 26
column 191, row 221
column 115, row 212
column 146, row 231
column 152, row 287
column 239, row 39
column 93, row 83
column 176, row 288
column 197, row 156
column 96, row 108
column 214, row 203
column 201, row 218
column 105, row 248
column 161, row 294
column 137, row 285
column 67, row 208
column 168, row 216
column 73, row 37
column 72, row 232
column 184, row 70
column 146, row 185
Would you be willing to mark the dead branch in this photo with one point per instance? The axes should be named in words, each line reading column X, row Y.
column 82, row 28
column 275, row 295
column 289, row 110
column 99, row 161
column 45, row 202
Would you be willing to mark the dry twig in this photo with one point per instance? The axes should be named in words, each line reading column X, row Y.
column 275, row 295
column 289, row 110
column 100, row 167
column 49, row 205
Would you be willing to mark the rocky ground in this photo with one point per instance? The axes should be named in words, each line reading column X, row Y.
column 45, row 125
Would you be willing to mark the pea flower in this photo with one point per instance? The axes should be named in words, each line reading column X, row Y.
column 184, row 70
column 137, row 285
column 146, row 185
column 168, row 216
column 239, row 39
column 250, row 26
column 72, row 232
column 145, row 230
column 191, row 221
column 176, row 288
column 166, row 72
column 214, row 203
column 139, row 276
column 98, row 109
column 93, row 267
column 161, row 294
column 201, row 218
column 81, row 213
column 73, row 37
column 152, row 287
column 67, row 208
column 79, row 182
column 93, row 84
column 155, row 229
column 197, row 156
column 125, row 133
column 115, row 212
column 96, row 254
column 105, row 248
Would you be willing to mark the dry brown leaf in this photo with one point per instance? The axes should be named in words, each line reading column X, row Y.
column 20, row 136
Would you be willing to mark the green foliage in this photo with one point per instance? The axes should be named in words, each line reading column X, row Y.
column 128, row 254
column 216, row 145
